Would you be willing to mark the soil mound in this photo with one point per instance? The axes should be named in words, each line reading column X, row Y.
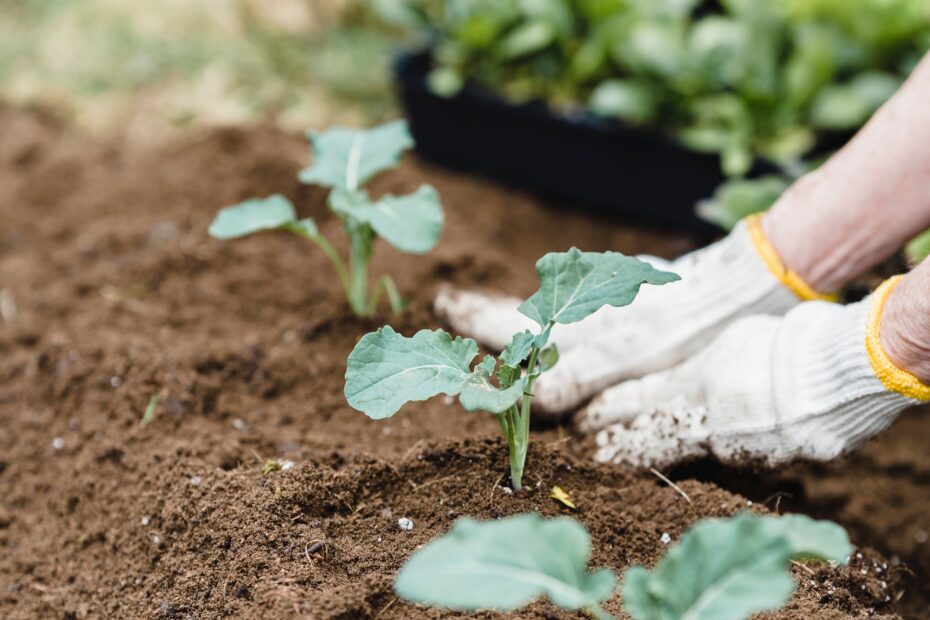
column 113, row 295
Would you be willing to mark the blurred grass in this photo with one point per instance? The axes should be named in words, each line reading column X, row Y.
column 165, row 65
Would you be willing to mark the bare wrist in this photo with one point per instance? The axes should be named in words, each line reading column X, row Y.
column 809, row 239
column 905, row 326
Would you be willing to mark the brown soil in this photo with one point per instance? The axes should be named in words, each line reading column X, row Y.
column 112, row 293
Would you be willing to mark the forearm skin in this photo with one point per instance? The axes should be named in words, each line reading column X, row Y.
column 867, row 201
column 905, row 327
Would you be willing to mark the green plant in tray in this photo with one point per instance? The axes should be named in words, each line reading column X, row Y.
column 346, row 159
column 387, row 370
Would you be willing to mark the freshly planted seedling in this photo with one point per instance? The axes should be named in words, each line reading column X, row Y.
column 505, row 564
column 722, row 569
column 387, row 370
column 345, row 159
column 729, row 569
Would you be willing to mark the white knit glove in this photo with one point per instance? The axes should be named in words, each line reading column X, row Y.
column 815, row 384
column 736, row 277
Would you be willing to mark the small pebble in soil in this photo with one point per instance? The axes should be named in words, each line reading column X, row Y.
column 145, row 521
column 156, row 539
column 285, row 464
column 115, row 381
column 58, row 443
column 386, row 430
column 238, row 424
column 665, row 538
column 196, row 480
column 448, row 400
column 164, row 231
column 405, row 524
column 749, row 503
column 920, row 536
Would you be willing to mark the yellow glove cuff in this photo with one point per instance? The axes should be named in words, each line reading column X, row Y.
column 788, row 278
column 892, row 377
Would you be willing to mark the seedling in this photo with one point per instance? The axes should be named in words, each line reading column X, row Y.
column 387, row 370
column 345, row 159
column 722, row 569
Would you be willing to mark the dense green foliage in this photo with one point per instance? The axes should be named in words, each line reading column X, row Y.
column 387, row 370
column 721, row 569
column 344, row 159
column 739, row 78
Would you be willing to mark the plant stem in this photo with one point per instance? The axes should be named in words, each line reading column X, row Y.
column 514, row 447
column 334, row 258
column 519, row 438
column 359, row 254
column 386, row 284
column 502, row 418
column 397, row 302
column 329, row 251
column 521, row 425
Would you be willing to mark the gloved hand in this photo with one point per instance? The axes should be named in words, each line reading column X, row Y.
column 736, row 277
column 815, row 384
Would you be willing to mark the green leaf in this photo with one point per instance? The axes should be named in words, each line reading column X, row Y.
column 738, row 198
column 479, row 394
column 386, row 370
column 720, row 46
column 919, row 247
column 548, row 357
column 654, row 47
column 518, row 349
column 529, row 37
column 729, row 569
column 445, row 81
column 504, row 565
column 847, row 106
column 507, row 375
column 252, row 216
column 625, row 99
column 575, row 284
column 410, row 223
column 347, row 158
column 306, row 227
column 816, row 540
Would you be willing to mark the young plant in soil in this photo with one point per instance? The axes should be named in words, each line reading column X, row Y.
column 387, row 370
column 721, row 569
column 344, row 160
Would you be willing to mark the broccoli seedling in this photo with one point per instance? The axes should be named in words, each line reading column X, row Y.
column 387, row 370
column 722, row 569
column 345, row 159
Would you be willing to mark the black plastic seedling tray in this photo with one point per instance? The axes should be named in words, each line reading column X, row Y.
column 579, row 161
